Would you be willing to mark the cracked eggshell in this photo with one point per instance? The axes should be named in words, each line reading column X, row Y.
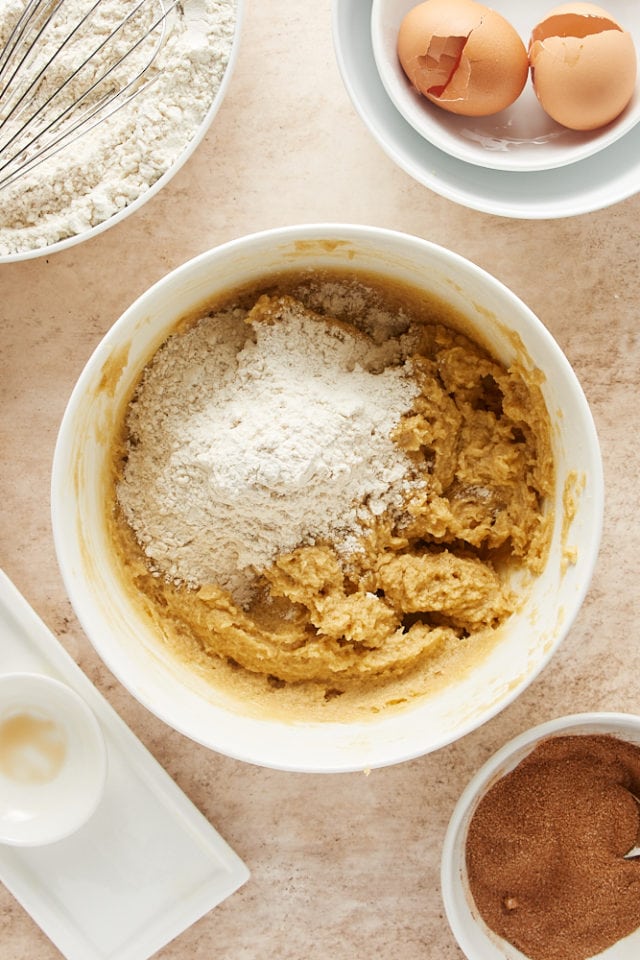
column 583, row 66
column 463, row 56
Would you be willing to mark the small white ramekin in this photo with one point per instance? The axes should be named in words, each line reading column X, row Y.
column 40, row 809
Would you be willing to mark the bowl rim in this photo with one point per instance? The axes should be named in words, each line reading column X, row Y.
column 62, row 542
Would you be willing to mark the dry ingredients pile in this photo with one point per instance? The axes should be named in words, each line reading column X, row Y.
column 318, row 502
column 546, row 845
column 116, row 162
column 293, row 445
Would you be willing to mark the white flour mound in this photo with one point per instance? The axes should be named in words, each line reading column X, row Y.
column 116, row 162
column 242, row 449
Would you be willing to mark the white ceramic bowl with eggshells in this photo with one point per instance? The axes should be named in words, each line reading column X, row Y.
column 122, row 635
column 77, row 231
column 521, row 137
column 474, row 937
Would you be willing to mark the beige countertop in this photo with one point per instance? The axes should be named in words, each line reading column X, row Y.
column 343, row 866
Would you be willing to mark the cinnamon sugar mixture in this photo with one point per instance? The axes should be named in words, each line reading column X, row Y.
column 546, row 845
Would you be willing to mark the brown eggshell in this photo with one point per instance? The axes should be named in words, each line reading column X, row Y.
column 577, row 9
column 462, row 56
column 583, row 66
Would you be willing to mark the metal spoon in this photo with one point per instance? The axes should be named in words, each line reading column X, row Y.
column 634, row 853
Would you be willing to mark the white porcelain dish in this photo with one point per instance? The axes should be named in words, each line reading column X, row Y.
column 582, row 187
column 122, row 635
column 522, row 137
column 146, row 865
column 168, row 175
column 474, row 938
column 53, row 761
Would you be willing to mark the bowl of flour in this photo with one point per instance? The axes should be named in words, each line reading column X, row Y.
column 116, row 166
column 327, row 497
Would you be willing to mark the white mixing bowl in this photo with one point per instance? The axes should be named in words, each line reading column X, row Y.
column 124, row 638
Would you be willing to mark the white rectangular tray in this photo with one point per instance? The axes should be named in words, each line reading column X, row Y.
column 147, row 864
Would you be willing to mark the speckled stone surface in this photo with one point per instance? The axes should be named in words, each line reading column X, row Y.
column 343, row 866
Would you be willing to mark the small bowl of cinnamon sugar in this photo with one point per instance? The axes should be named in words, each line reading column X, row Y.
column 539, row 857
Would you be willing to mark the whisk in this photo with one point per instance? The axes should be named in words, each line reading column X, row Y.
column 59, row 79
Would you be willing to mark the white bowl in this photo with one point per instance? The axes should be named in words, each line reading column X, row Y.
column 522, row 137
column 120, row 633
column 475, row 939
column 53, row 760
column 593, row 183
column 180, row 159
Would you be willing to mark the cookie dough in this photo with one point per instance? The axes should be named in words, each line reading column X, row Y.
column 331, row 633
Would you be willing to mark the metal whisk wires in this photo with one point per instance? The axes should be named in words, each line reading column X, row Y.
column 65, row 68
